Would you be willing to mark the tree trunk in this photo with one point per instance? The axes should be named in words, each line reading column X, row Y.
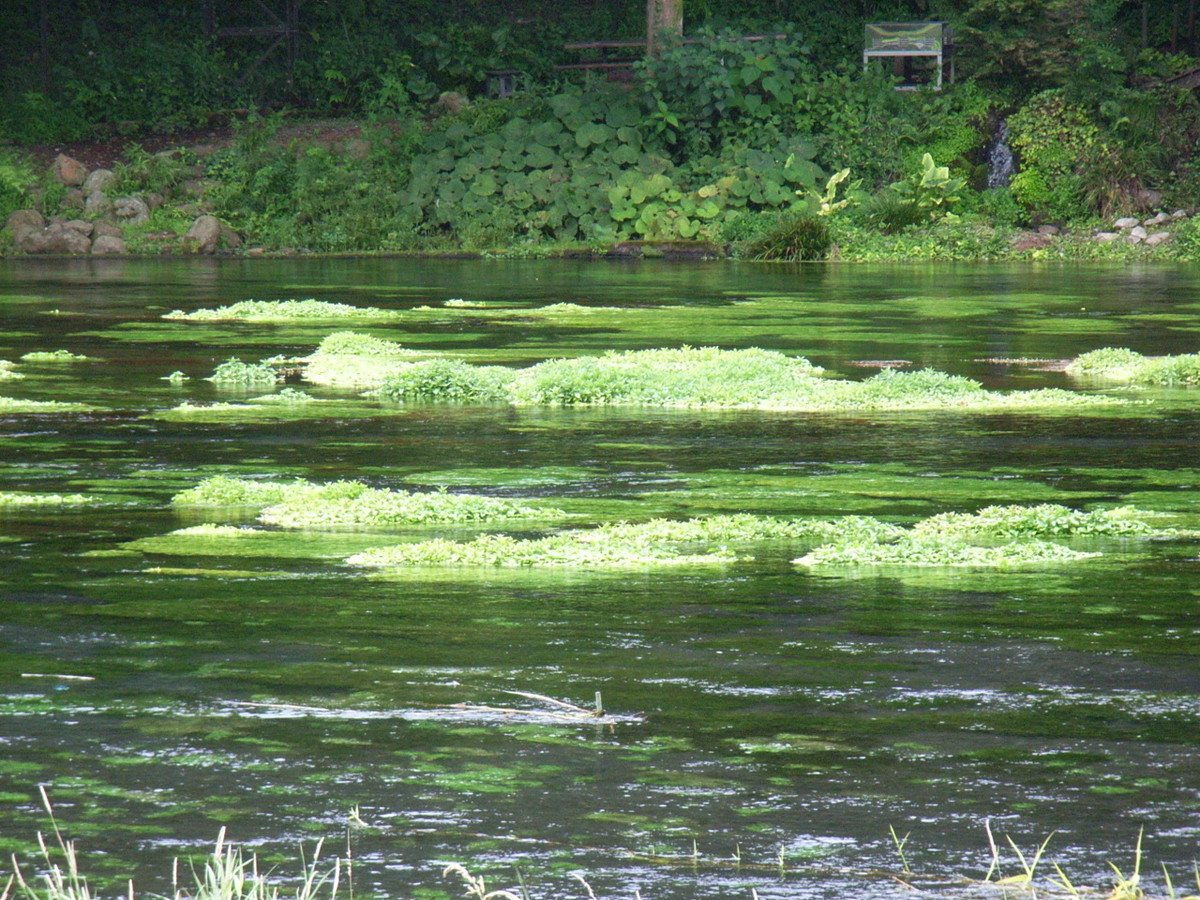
column 662, row 17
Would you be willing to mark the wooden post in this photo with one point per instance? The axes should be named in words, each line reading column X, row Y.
column 662, row 16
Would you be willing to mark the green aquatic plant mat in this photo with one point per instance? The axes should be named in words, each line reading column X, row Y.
column 349, row 359
column 235, row 373
column 8, row 371
column 1047, row 519
column 12, row 405
column 53, row 356
column 288, row 404
column 282, row 310
column 1119, row 364
column 659, row 542
column 711, row 378
column 36, row 500
column 939, row 550
column 352, row 504
column 240, row 541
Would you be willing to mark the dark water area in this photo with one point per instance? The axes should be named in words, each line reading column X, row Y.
column 765, row 725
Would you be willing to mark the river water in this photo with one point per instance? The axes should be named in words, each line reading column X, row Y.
column 765, row 727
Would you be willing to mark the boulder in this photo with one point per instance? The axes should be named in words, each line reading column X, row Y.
column 1159, row 237
column 98, row 180
column 23, row 221
column 108, row 245
column 1048, row 229
column 83, row 226
column 1139, row 232
column 1134, row 238
column 1106, row 237
column 68, row 171
column 1126, row 222
column 204, row 235
column 154, row 200
column 97, row 204
column 106, row 229
column 131, row 209
column 55, row 238
column 1031, row 240
column 1179, row 214
column 1157, row 220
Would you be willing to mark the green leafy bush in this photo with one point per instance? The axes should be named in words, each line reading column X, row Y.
column 235, row 373
column 1118, row 364
column 793, row 236
column 447, row 380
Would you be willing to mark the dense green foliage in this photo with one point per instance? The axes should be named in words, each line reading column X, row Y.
column 716, row 139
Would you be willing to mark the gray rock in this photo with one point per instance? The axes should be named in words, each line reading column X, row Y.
column 1126, row 222
column 132, row 209
column 1157, row 220
column 97, row 204
column 76, row 242
column 55, row 238
column 1134, row 238
column 1159, row 237
column 23, row 221
column 1106, row 237
column 106, row 229
column 1179, row 214
column 1048, row 229
column 198, row 187
column 154, row 200
column 1139, row 232
column 98, row 180
column 68, row 171
column 108, row 245
column 204, row 235
column 81, row 225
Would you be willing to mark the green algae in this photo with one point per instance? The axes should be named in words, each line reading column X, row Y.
column 288, row 403
column 226, row 540
column 350, row 359
column 939, row 551
column 1123, row 365
column 8, row 371
column 1047, row 519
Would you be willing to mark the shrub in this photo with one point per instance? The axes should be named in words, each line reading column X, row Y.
column 793, row 236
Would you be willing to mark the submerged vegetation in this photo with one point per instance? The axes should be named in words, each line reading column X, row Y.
column 31, row 499
column 1120, row 364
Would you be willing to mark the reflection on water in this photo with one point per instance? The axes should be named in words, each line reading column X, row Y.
column 753, row 710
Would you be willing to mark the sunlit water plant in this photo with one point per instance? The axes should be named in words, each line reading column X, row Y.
column 709, row 378
column 235, row 373
column 659, row 542
column 1046, row 519
column 8, row 371
column 281, row 310
column 939, row 550
column 352, row 504
column 349, row 359
column 52, row 356
column 1124, row 365
column 16, row 405
column 30, row 499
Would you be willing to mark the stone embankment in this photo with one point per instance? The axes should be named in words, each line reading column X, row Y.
column 89, row 220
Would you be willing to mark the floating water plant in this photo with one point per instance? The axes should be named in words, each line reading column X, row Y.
column 13, row 405
column 353, row 360
column 8, row 371
column 281, row 310
column 352, row 504
column 939, row 550
column 706, row 378
column 1047, row 519
column 30, row 499
column 1119, row 364
column 659, row 542
column 235, row 373
column 52, row 356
